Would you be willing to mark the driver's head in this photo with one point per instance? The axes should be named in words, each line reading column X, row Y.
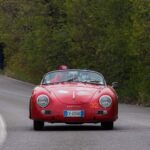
column 62, row 67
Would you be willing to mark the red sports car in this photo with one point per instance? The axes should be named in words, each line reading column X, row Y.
column 74, row 96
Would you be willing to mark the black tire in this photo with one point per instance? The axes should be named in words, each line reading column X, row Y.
column 38, row 125
column 107, row 125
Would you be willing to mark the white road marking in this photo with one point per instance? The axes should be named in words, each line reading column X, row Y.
column 3, row 132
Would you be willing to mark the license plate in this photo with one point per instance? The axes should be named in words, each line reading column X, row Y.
column 73, row 113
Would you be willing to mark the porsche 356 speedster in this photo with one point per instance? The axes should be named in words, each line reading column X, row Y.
column 74, row 96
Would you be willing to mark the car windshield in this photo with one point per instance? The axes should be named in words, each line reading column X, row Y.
column 84, row 76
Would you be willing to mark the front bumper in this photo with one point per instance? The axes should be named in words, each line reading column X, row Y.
column 55, row 114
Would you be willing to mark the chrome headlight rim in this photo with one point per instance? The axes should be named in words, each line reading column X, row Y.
column 102, row 103
column 40, row 104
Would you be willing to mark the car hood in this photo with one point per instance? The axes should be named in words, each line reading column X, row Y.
column 74, row 93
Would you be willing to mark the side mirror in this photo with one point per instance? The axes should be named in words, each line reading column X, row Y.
column 115, row 85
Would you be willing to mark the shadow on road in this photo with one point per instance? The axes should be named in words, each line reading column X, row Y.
column 73, row 128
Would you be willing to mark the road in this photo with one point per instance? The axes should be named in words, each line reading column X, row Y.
column 131, row 132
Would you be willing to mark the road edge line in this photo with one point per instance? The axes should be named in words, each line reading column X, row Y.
column 3, row 131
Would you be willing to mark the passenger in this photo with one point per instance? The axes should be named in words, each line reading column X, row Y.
column 84, row 76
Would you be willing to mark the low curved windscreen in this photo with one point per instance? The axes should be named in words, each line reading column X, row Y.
column 85, row 76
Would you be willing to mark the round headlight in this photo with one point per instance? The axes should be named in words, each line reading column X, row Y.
column 42, row 100
column 105, row 101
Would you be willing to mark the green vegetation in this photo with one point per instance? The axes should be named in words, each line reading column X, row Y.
column 110, row 36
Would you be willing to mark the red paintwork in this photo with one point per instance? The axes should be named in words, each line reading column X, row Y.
column 79, row 96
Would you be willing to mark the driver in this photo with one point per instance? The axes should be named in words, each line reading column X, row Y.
column 60, row 75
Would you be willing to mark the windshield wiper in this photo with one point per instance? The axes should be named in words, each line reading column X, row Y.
column 93, row 82
column 96, row 82
column 69, row 80
column 51, row 83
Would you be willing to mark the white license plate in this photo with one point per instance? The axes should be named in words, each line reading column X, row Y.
column 73, row 113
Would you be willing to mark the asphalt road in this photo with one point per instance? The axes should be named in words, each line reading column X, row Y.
column 131, row 132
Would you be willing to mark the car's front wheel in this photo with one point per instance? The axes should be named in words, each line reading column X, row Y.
column 38, row 125
column 107, row 125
